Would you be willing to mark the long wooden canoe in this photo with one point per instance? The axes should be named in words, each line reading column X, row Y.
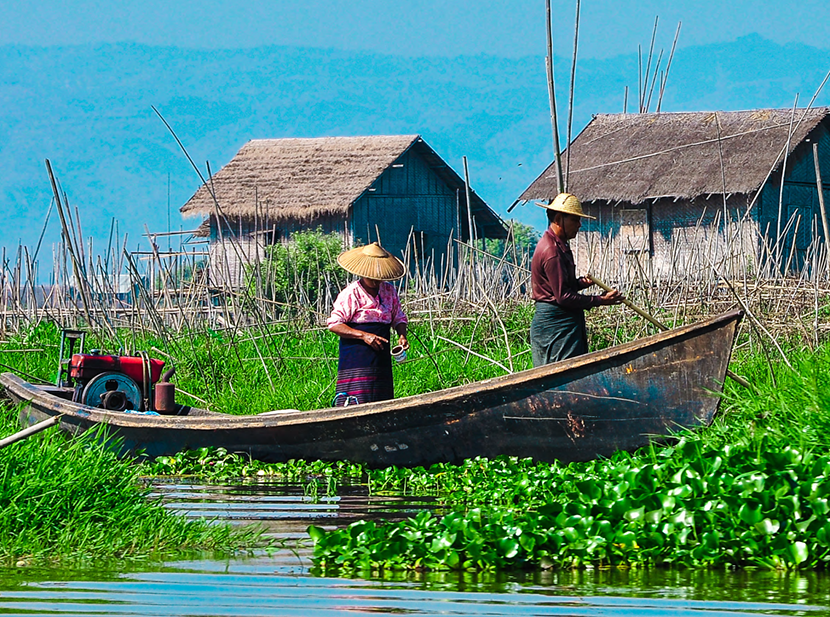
column 578, row 409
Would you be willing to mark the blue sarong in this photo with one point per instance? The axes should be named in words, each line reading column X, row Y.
column 364, row 374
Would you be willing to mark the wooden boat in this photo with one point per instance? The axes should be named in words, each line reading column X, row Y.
column 578, row 409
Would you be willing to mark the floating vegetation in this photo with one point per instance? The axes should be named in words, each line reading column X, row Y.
column 219, row 464
column 687, row 506
column 750, row 491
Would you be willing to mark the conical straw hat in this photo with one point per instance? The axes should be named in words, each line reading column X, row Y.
column 568, row 204
column 372, row 262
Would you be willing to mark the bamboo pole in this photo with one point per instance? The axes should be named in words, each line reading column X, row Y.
column 560, row 182
column 571, row 96
column 821, row 207
column 31, row 430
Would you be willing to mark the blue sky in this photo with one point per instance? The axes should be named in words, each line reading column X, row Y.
column 415, row 28
column 88, row 109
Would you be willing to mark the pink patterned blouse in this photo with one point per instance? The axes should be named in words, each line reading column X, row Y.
column 355, row 305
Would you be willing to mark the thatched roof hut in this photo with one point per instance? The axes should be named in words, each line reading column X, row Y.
column 389, row 187
column 674, row 191
column 632, row 158
column 304, row 180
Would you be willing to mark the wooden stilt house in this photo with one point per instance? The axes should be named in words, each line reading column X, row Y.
column 678, row 193
column 393, row 187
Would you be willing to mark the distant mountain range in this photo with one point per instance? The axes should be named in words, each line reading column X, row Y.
column 88, row 110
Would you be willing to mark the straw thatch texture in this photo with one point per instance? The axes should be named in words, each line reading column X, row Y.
column 298, row 178
column 372, row 261
column 637, row 157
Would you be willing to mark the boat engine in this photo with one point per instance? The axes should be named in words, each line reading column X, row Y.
column 115, row 383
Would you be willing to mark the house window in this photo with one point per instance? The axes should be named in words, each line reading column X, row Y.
column 634, row 236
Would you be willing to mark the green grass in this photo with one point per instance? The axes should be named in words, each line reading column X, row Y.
column 288, row 367
column 73, row 500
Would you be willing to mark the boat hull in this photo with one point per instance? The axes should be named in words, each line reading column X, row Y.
column 579, row 409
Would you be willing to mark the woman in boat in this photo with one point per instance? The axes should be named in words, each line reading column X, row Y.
column 363, row 316
column 558, row 327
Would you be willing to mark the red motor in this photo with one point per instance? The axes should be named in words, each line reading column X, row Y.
column 84, row 367
column 115, row 383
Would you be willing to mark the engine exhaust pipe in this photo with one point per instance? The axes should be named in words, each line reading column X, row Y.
column 164, row 393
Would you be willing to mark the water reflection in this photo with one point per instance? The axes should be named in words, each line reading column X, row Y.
column 252, row 587
column 285, row 583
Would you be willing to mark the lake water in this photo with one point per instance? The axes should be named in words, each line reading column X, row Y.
column 286, row 584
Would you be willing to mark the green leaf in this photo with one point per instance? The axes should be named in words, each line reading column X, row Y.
column 750, row 512
column 527, row 541
column 627, row 539
column 590, row 489
column 620, row 507
column 452, row 559
column 666, row 501
column 508, row 547
column 653, row 517
column 820, row 505
column 802, row 526
column 767, row 526
column 798, row 552
column 711, row 540
column 316, row 533
column 635, row 514
column 823, row 535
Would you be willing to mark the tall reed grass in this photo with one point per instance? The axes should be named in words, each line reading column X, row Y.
column 74, row 501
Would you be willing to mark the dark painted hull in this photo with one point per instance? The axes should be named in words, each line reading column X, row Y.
column 578, row 409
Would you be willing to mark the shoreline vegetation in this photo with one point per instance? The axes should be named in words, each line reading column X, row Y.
column 751, row 491
column 73, row 501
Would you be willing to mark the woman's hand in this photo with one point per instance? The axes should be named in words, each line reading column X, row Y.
column 402, row 341
column 373, row 340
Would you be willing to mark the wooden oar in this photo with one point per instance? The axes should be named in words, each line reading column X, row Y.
column 662, row 326
column 35, row 428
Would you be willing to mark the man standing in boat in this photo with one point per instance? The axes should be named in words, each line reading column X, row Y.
column 558, row 327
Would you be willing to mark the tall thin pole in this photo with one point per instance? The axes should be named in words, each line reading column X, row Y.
column 640, row 86
column 781, row 188
column 560, row 181
column 821, row 206
column 571, row 96
column 643, row 105
column 666, row 76
column 169, row 246
column 469, row 206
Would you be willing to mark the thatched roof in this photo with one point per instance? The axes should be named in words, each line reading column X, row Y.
column 635, row 157
column 304, row 179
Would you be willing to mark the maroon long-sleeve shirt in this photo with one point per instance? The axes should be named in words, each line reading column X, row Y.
column 553, row 275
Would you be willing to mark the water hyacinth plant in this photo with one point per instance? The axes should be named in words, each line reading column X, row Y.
column 750, row 491
column 686, row 506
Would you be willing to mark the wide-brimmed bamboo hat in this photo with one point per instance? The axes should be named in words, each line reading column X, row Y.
column 372, row 262
column 568, row 204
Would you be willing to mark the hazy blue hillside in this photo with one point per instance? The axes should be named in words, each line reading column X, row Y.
column 88, row 110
